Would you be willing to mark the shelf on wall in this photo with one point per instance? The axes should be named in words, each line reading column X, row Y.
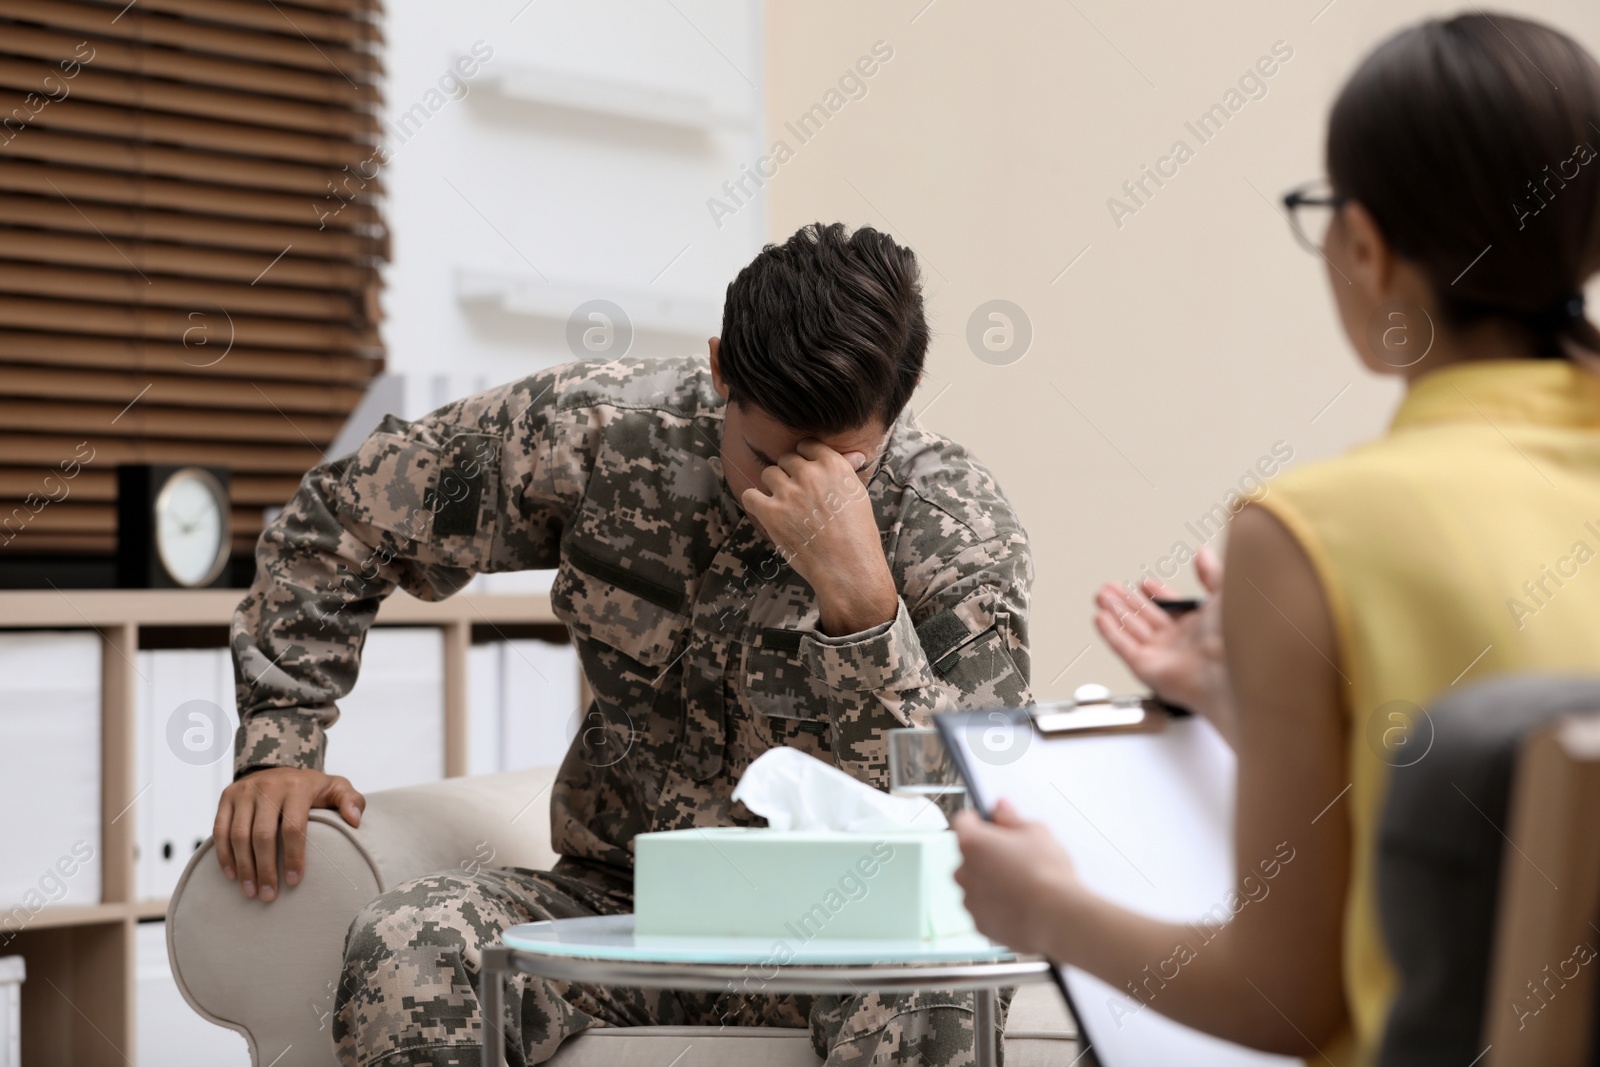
column 525, row 294
column 53, row 915
column 79, row 608
column 148, row 909
column 614, row 98
column 76, row 915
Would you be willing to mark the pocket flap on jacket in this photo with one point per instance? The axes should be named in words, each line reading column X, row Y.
column 632, row 614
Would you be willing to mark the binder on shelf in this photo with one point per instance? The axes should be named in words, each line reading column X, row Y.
column 539, row 698
column 512, row 583
column 13, row 971
column 50, row 769
column 1143, row 800
column 186, row 717
column 523, row 703
column 485, row 741
column 391, row 725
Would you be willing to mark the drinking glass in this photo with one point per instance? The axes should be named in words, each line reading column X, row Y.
column 920, row 766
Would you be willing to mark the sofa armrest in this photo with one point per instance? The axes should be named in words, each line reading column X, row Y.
column 268, row 970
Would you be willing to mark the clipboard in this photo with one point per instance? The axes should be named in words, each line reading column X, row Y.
column 1141, row 795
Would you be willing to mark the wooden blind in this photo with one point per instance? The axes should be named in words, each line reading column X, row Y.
column 189, row 247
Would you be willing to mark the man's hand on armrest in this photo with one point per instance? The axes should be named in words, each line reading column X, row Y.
column 251, row 811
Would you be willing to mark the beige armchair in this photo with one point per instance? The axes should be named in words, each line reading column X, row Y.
column 269, row 971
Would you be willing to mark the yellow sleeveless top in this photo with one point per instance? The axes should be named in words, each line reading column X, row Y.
column 1463, row 545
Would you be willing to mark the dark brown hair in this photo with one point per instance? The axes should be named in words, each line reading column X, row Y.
column 1481, row 132
column 825, row 331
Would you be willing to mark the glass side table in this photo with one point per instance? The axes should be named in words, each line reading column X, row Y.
column 604, row 950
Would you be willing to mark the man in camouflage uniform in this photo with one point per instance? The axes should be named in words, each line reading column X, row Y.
column 732, row 581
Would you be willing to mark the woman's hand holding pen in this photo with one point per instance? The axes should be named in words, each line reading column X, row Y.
column 1179, row 657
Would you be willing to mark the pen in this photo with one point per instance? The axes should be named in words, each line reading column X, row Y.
column 1177, row 607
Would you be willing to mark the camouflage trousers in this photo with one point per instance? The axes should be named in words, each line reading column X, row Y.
column 409, row 990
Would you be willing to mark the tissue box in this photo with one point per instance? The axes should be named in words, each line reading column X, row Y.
column 751, row 882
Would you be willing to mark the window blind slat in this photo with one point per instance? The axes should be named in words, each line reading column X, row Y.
column 367, row 10
column 21, row 516
column 159, row 258
column 100, row 486
column 169, row 324
column 57, row 47
column 200, row 198
column 111, row 155
column 132, row 24
column 140, row 157
column 353, row 8
column 52, row 448
column 146, row 420
column 132, row 286
column 82, row 521
column 45, row 383
column 105, row 120
column 273, row 18
column 175, row 100
column 117, row 221
column 23, row 348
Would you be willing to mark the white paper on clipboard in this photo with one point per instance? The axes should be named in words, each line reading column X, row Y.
column 1148, row 821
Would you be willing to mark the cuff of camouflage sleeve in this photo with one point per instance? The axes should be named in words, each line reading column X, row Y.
column 888, row 656
column 279, row 737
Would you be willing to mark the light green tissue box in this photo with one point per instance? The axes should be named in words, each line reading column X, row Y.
column 731, row 881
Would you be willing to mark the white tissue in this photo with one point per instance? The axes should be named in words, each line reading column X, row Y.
column 794, row 791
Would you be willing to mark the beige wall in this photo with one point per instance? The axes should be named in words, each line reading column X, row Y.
column 1182, row 345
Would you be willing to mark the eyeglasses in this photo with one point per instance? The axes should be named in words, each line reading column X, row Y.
column 1311, row 209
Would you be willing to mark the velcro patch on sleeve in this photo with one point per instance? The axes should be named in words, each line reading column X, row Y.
column 942, row 634
column 455, row 503
column 457, row 499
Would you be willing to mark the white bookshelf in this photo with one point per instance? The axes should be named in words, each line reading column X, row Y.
column 79, row 1002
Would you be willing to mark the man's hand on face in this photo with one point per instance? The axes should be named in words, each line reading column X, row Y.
column 814, row 507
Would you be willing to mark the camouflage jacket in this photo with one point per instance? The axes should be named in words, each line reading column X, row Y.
column 699, row 644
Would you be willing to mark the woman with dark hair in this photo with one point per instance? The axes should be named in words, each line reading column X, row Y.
column 1461, row 219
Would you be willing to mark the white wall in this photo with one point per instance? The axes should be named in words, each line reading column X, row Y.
column 570, row 203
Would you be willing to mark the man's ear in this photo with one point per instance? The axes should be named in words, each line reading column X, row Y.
column 716, row 370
